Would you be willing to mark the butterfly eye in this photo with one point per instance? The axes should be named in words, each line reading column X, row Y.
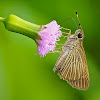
column 80, row 35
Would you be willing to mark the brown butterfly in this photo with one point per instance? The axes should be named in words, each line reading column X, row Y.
column 71, row 64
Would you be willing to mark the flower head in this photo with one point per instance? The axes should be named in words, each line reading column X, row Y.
column 49, row 36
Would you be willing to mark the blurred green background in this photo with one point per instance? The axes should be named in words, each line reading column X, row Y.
column 26, row 76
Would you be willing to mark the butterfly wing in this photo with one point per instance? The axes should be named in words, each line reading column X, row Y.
column 73, row 68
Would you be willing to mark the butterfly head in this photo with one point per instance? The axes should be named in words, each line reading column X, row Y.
column 79, row 34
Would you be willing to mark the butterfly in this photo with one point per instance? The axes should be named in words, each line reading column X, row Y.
column 72, row 64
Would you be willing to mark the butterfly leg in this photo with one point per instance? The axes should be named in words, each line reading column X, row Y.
column 60, row 44
column 69, row 34
column 55, row 51
column 64, row 36
column 61, row 48
column 58, row 48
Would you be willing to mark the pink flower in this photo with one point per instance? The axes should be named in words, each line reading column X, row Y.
column 49, row 36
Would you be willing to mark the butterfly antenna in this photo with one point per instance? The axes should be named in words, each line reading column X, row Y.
column 68, row 19
column 78, row 20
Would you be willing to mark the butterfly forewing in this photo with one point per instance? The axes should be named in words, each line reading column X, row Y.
column 73, row 68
